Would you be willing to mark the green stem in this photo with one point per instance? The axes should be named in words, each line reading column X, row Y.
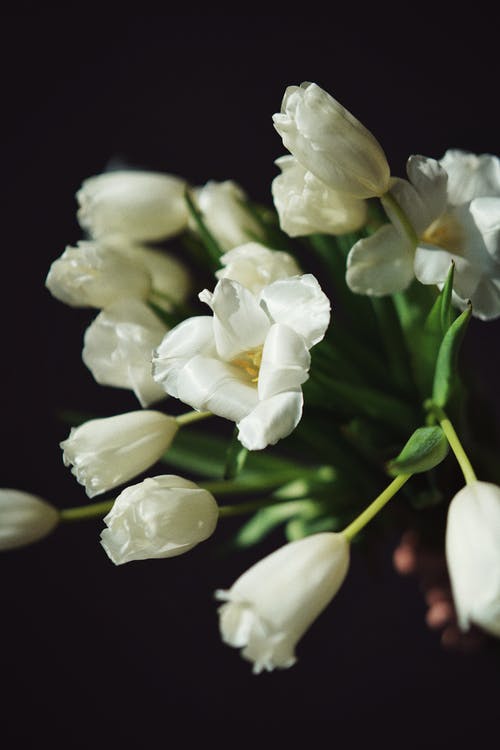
column 406, row 225
column 455, row 444
column 83, row 512
column 377, row 505
column 192, row 416
column 268, row 481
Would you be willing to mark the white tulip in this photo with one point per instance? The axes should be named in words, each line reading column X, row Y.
column 332, row 144
column 118, row 347
column 247, row 363
column 473, row 555
column 224, row 213
column 141, row 206
column 162, row 516
column 270, row 607
column 24, row 518
column 107, row 452
column 255, row 266
column 94, row 275
column 306, row 205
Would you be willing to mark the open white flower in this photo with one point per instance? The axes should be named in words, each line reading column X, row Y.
column 94, row 275
column 306, row 205
column 453, row 207
column 247, row 363
column 118, row 347
column 107, row 452
column 141, row 206
column 162, row 516
column 24, row 518
column 224, row 213
column 270, row 607
column 332, row 144
column 255, row 266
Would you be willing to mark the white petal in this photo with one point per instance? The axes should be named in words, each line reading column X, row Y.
column 254, row 266
column 411, row 204
column 471, row 176
column 486, row 300
column 299, row 303
column 191, row 337
column 285, row 362
column 432, row 265
column 486, row 215
column 430, row 181
column 271, row 420
column 380, row 264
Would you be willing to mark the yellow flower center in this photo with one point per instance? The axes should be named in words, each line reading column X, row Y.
column 445, row 232
column 249, row 362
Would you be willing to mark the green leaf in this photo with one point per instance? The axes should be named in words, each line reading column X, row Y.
column 446, row 379
column 212, row 247
column 235, row 457
column 298, row 528
column 426, row 448
column 267, row 519
column 441, row 315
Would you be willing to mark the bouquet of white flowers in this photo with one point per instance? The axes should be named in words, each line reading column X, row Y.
column 225, row 306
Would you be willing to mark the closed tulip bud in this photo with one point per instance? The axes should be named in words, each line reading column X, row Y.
column 270, row 607
column 141, row 206
column 162, row 516
column 93, row 275
column 24, row 518
column 255, row 266
column 105, row 453
column 473, row 555
column 332, row 144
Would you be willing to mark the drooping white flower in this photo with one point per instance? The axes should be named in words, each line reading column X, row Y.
column 24, row 518
column 222, row 207
column 255, row 266
column 332, row 144
column 105, row 453
column 141, row 206
column 473, row 555
column 306, row 205
column 247, row 363
column 94, row 275
column 118, row 347
column 453, row 207
column 270, row 607
column 162, row 516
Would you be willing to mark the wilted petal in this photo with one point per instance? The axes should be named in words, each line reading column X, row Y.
column 380, row 264
column 271, row 420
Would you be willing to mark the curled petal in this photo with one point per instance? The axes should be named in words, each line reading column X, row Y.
column 285, row 362
column 271, row 420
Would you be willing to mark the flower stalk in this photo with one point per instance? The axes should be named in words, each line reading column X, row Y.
column 455, row 444
column 371, row 511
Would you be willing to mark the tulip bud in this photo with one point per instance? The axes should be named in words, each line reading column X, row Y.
column 141, row 206
column 270, row 607
column 305, row 205
column 473, row 555
column 24, row 518
column 93, row 275
column 332, row 144
column 108, row 452
column 255, row 266
column 222, row 207
column 162, row 516
column 118, row 348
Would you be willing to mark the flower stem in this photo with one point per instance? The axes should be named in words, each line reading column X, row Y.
column 406, row 225
column 455, row 444
column 374, row 507
column 83, row 512
column 192, row 416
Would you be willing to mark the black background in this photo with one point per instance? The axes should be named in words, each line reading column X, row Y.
column 96, row 654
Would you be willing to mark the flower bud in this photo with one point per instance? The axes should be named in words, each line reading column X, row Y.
column 93, row 275
column 24, row 518
column 118, row 348
column 255, row 266
column 162, row 516
column 141, row 206
column 270, row 607
column 110, row 451
column 222, row 207
column 473, row 555
column 332, row 144
column 305, row 205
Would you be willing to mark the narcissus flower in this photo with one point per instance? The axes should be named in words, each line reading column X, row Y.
column 330, row 143
column 270, row 607
column 248, row 361
column 163, row 516
column 473, row 555
column 105, row 453
column 24, row 518
column 255, row 266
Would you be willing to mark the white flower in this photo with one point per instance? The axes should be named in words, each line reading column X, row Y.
column 453, row 207
column 473, row 555
column 248, row 361
column 305, row 205
column 141, row 206
column 270, row 607
column 162, row 516
column 332, row 144
column 94, row 275
column 24, row 518
column 255, row 266
column 110, row 451
column 224, row 213
column 118, row 347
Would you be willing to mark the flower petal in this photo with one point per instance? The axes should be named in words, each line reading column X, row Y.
column 191, row 337
column 271, row 420
column 486, row 215
column 380, row 264
column 432, row 265
column 285, row 362
column 430, row 181
column 486, row 300
column 410, row 202
column 471, row 176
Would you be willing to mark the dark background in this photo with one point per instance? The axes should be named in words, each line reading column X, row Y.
column 91, row 651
